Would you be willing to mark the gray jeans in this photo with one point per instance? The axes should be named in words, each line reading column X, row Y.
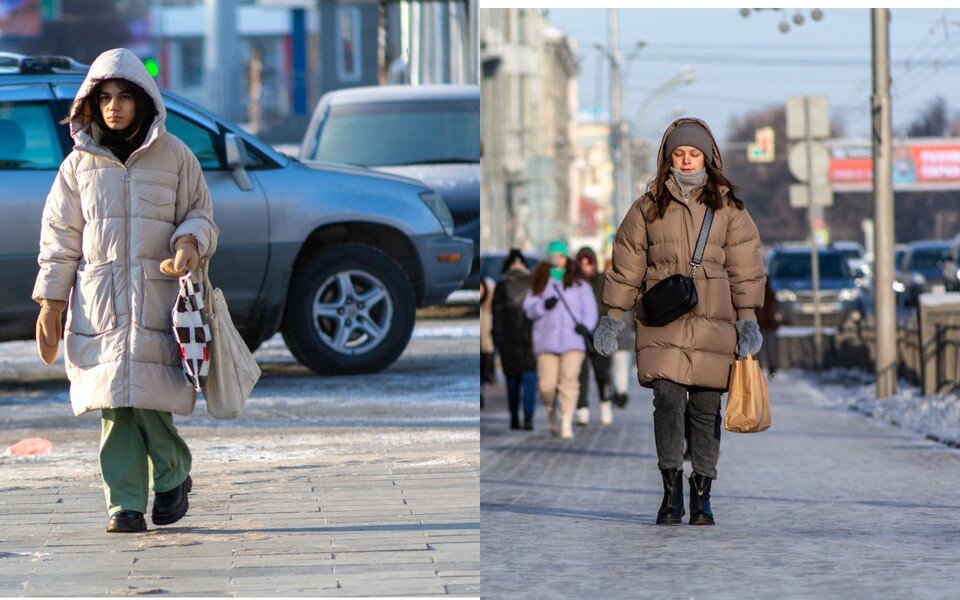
column 670, row 402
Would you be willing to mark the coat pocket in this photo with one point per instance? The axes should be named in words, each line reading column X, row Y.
column 92, row 307
column 717, row 297
column 159, row 296
column 156, row 194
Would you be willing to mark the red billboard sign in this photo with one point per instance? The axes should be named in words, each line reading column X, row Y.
column 928, row 164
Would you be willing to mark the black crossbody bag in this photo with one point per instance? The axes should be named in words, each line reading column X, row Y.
column 676, row 295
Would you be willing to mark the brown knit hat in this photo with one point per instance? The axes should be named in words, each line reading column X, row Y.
column 690, row 134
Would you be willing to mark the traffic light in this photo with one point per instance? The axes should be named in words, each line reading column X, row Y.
column 153, row 67
column 762, row 150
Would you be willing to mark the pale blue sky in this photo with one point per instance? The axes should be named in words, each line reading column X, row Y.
column 726, row 49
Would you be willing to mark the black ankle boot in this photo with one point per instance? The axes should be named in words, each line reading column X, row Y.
column 514, row 421
column 126, row 521
column 170, row 506
column 700, row 513
column 671, row 509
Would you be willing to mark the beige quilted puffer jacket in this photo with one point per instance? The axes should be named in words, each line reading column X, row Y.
column 106, row 227
column 698, row 348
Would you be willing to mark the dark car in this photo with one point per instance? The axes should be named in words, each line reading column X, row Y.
column 337, row 258
column 491, row 263
column 427, row 132
column 951, row 264
column 791, row 277
column 921, row 269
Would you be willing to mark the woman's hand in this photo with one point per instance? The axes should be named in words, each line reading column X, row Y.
column 749, row 339
column 605, row 337
column 50, row 329
column 187, row 257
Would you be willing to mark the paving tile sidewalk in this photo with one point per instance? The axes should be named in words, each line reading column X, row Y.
column 826, row 504
column 369, row 515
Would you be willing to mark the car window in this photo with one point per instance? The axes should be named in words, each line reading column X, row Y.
column 797, row 266
column 201, row 140
column 28, row 137
column 399, row 133
column 927, row 258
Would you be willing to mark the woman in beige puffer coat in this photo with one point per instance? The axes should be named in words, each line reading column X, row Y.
column 126, row 198
column 687, row 362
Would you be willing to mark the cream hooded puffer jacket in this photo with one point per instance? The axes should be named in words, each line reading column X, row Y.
column 106, row 227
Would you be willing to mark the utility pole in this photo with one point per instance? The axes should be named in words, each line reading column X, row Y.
column 814, row 254
column 886, row 317
column 616, row 115
column 221, row 59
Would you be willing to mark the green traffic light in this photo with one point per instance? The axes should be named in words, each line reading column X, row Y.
column 153, row 67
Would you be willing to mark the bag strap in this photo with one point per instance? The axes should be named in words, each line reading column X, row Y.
column 566, row 306
column 701, row 242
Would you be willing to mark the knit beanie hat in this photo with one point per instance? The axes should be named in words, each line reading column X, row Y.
column 693, row 134
column 558, row 247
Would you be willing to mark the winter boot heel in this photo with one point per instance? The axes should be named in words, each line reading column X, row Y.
column 700, row 513
column 671, row 509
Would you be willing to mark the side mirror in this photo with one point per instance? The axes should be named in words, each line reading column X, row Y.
column 237, row 159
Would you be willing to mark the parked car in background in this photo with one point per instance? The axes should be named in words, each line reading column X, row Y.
column 430, row 133
column 921, row 269
column 337, row 258
column 791, row 277
column 491, row 263
column 951, row 266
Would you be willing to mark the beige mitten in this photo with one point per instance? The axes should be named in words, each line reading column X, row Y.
column 50, row 329
column 187, row 257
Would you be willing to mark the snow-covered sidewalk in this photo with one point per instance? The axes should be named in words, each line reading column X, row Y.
column 936, row 416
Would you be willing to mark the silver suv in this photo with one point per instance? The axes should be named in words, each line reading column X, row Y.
column 337, row 258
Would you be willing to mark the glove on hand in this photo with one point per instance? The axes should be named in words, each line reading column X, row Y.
column 605, row 337
column 550, row 302
column 50, row 329
column 748, row 338
column 187, row 257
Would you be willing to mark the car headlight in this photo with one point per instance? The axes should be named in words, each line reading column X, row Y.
column 848, row 294
column 439, row 208
column 919, row 279
column 898, row 287
column 786, row 296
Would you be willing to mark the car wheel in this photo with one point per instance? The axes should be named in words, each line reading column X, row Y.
column 350, row 309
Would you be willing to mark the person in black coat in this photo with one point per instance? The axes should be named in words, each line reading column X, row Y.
column 512, row 336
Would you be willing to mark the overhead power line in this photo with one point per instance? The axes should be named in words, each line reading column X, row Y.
column 791, row 61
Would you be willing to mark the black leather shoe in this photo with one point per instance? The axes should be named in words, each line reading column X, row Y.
column 620, row 400
column 126, row 521
column 700, row 513
column 671, row 509
column 170, row 506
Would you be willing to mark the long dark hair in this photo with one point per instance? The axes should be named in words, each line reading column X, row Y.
column 86, row 110
column 541, row 275
column 711, row 196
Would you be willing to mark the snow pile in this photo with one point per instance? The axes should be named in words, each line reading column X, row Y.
column 936, row 416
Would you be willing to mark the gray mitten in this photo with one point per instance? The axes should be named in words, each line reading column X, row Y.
column 605, row 337
column 748, row 338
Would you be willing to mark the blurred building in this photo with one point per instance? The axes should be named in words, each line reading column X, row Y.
column 283, row 54
column 595, row 176
column 530, row 185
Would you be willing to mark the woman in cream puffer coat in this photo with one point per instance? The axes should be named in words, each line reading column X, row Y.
column 687, row 362
column 128, row 196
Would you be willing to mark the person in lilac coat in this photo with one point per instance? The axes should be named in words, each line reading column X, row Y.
column 563, row 309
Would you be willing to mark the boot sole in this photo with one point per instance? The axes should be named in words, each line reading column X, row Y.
column 669, row 520
column 174, row 517
column 701, row 521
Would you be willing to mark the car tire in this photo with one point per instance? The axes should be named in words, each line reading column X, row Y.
column 361, row 331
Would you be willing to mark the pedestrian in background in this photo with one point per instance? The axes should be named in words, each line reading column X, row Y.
column 512, row 333
column 563, row 310
column 128, row 196
column 768, row 317
column 599, row 364
column 687, row 361
column 487, row 375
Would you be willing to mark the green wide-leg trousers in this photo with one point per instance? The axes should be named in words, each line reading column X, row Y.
column 138, row 446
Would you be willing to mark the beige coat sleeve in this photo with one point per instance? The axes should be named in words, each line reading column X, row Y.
column 196, row 207
column 744, row 264
column 61, row 237
column 624, row 278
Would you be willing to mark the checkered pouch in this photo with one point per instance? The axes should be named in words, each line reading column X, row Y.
column 192, row 331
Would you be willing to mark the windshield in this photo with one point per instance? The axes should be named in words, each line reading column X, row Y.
column 797, row 266
column 401, row 133
column 927, row 258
